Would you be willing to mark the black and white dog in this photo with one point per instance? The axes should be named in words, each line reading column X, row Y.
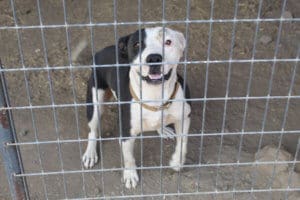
column 154, row 75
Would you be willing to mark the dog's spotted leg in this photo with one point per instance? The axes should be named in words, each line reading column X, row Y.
column 130, row 175
column 178, row 157
column 90, row 157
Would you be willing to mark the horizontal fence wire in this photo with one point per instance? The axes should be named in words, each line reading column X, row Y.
column 149, row 101
column 8, row 69
column 158, row 167
column 166, row 22
column 206, row 134
column 199, row 193
column 215, row 189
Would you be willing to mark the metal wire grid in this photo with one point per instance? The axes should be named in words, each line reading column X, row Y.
column 91, row 25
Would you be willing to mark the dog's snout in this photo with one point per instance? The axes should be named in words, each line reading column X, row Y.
column 155, row 70
column 153, row 58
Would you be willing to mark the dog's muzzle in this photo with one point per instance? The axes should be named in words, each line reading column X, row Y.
column 156, row 79
column 155, row 74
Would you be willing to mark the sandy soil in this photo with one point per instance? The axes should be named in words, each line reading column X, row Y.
column 68, row 86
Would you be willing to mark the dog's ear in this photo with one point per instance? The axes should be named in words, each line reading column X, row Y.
column 122, row 46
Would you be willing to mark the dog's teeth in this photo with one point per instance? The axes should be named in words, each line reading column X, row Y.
column 155, row 76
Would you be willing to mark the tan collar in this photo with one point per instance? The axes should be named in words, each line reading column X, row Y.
column 155, row 108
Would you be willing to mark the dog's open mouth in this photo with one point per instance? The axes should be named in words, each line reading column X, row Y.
column 156, row 78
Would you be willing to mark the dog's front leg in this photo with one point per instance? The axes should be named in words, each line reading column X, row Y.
column 178, row 157
column 90, row 157
column 130, row 175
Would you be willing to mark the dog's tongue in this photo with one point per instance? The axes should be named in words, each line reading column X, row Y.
column 155, row 76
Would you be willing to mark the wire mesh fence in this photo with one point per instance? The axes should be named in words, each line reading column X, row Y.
column 241, row 65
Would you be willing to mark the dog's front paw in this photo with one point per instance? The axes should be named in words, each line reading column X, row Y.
column 175, row 163
column 89, row 158
column 166, row 132
column 131, row 178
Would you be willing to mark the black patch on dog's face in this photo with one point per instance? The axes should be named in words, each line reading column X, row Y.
column 130, row 45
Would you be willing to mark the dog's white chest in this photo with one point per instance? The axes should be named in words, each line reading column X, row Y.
column 149, row 120
column 154, row 121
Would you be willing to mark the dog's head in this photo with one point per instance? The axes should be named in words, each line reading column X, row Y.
column 153, row 59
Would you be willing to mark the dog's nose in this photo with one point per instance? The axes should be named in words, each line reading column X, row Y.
column 153, row 58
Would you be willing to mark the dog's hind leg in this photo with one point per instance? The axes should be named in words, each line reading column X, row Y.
column 90, row 156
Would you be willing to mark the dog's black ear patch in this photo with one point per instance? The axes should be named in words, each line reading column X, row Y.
column 122, row 45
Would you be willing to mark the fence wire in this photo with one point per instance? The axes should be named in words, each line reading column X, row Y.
column 222, row 163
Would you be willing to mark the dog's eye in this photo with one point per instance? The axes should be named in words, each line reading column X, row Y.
column 168, row 42
column 136, row 45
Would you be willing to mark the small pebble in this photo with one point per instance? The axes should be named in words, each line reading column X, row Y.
column 265, row 39
column 97, row 191
column 23, row 132
column 107, row 134
column 287, row 15
column 248, row 176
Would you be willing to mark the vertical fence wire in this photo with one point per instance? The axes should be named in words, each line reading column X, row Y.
column 205, row 90
column 141, row 95
column 186, row 33
column 227, row 90
column 74, row 93
column 28, row 92
column 99, row 107
column 118, row 85
column 269, row 93
column 162, row 97
column 51, row 95
column 247, row 95
column 283, row 122
column 291, row 171
column 11, row 154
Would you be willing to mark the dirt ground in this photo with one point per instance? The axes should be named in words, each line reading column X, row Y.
column 69, row 87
